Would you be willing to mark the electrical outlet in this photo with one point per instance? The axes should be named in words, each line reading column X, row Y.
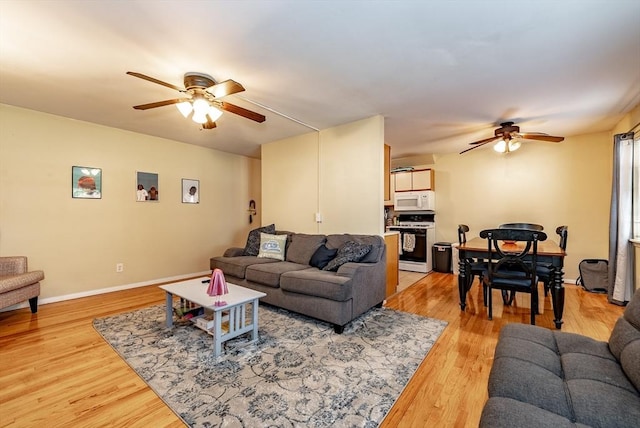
column 119, row 267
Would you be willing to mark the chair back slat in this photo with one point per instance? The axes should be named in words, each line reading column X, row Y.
column 563, row 231
column 462, row 233
column 512, row 261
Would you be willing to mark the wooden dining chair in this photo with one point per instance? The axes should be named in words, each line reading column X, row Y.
column 546, row 271
column 476, row 267
column 513, row 267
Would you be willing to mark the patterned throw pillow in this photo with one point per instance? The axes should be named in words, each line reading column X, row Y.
column 272, row 246
column 253, row 240
column 350, row 251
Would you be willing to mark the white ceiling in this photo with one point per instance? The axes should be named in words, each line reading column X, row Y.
column 442, row 73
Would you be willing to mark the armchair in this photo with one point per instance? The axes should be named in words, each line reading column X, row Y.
column 17, row 284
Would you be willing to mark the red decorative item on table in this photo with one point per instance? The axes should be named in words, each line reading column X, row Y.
column 218, row 287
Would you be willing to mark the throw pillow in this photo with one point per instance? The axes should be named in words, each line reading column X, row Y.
column 253, row 240
column 322, row 256
column 272, row 246
column 350, row 251
column 303, row 246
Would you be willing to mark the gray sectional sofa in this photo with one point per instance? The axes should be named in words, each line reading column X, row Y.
column 548, row 378
column 336, row 297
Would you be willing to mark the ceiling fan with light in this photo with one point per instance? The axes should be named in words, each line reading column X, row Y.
column 509, row 136
column 203, row 102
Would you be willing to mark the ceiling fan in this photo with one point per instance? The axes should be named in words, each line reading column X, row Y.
column 509, row 136
column 203, row 100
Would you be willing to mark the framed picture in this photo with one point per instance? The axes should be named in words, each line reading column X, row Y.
column 147, row 187
column 86, row 182
column 190, row 191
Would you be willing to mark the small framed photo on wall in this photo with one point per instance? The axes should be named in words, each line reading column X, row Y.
column 86, row 182
column 190, row 191
column 147, row 187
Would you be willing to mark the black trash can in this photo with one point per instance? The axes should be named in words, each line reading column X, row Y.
column 441, row 257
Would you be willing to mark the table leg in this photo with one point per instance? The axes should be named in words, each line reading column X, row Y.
column 254, row 310
column 169, row 310
column 463, row 280
column 217, row 335
column 557, row 296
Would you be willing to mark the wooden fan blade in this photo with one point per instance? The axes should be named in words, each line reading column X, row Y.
column 160, row 103
column 479, row 144
column 154, row 80
column 225, row 88
column 486, row 140
column 540, row 136
column 232, row 108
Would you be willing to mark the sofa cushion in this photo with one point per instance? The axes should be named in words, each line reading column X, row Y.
column 269, row 274
column 630, row 362
column 532, row 383
column 252, row 248
column 236, row 266
column 272, row 246
column 322, row 256
column 315, row 282
column 350, row 251
column 376, row 242
column 625, row 338
column 303, row 246
column 565, row 374
column 600, row 404
column 502, row 412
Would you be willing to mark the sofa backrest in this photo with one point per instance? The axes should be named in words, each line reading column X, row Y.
column 376, row 242
column 624, row 342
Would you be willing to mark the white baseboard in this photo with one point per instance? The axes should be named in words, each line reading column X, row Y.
column 105, row 290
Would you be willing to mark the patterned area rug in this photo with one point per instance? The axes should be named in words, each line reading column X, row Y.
column 298, row 374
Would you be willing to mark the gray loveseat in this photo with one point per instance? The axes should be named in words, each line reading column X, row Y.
column 336, row 297
column 548, row 378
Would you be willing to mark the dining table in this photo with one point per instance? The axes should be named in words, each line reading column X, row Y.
column 548, row 252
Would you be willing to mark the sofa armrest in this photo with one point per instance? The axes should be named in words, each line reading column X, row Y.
column 368, row 281
column 234, row 252
column 13, row 265
column 14, row 282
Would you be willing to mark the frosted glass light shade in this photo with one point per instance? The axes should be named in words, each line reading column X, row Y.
column 200, row 106
column 214, row 113
column 503, row 146
column 184, row 108
column 199, row 117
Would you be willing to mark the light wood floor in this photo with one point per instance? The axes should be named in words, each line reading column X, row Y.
column 56, row 371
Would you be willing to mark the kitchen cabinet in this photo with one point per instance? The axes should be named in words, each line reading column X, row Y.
column 393, row 278
column 418, row 179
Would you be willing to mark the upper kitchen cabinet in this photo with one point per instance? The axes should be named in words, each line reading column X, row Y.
column 418, row 179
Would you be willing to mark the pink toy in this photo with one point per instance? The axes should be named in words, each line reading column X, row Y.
column 218, row 287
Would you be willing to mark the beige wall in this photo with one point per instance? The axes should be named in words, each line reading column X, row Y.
column 77, row 242
column 337, row 172
column 551, row 184
column 289, row 183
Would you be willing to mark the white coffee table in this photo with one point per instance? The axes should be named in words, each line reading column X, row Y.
column 195, row 291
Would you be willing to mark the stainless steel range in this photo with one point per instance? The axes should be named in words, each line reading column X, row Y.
column 417, row 236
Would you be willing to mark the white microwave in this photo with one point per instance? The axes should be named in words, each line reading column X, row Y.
column 414, row 201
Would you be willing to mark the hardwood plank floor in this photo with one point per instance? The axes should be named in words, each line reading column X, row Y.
column 55, row 370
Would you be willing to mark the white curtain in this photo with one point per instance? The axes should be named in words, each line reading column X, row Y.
column 621, row 221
